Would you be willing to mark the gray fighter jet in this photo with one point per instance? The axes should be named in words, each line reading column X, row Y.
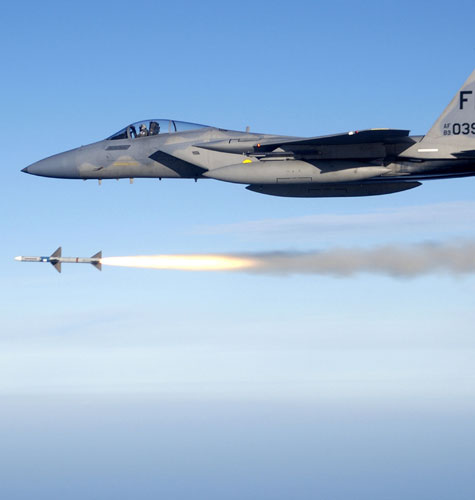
column 358, row 163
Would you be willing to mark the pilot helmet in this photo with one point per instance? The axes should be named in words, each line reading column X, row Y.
column 142, row 127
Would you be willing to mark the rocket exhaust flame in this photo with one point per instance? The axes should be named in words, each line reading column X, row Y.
column 184, row 262
column 402, row 261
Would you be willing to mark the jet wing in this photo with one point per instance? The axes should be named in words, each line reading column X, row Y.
column 363, row 144
column 370, row 136
column 357, row 145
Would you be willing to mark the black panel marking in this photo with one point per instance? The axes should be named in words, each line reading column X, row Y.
column 118, row 148
column 181, row 167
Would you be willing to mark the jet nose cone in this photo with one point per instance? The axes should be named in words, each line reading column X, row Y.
column 37, row 168
column 62, row 165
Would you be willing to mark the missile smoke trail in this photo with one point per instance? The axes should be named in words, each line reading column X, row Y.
column 390, row 260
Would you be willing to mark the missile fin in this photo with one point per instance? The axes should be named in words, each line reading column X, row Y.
column 97, row 264
column 57, row 266
column 57, row 252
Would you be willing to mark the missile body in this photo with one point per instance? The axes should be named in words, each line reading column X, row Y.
column 56, row 259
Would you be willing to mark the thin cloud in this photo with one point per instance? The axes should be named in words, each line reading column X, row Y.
column 441, row 217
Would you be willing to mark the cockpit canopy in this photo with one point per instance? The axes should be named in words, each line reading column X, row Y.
column 147, row 128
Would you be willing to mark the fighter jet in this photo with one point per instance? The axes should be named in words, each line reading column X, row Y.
column 356, row 163
column 56, row 259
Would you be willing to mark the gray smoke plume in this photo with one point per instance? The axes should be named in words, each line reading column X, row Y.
column 401, row 261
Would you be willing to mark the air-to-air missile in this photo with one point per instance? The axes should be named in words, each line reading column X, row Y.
column 56, row 259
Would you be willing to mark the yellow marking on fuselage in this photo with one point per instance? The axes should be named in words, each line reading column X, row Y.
column 126, row 164
column 247, row 160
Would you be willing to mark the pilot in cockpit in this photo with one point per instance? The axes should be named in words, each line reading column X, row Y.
column 154, row 128
column 143, row 130
column 132, row 133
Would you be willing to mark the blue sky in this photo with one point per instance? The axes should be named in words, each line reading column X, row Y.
column 135, row 383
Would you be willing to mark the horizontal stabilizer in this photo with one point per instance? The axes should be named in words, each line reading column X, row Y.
column 465, row 154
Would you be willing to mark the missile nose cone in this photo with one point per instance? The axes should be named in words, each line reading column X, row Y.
column 18, row 257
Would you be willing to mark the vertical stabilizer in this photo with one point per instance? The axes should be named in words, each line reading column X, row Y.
column 454, row 130
column 457, row 122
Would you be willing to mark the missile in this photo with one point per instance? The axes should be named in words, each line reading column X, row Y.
column 56, row 259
